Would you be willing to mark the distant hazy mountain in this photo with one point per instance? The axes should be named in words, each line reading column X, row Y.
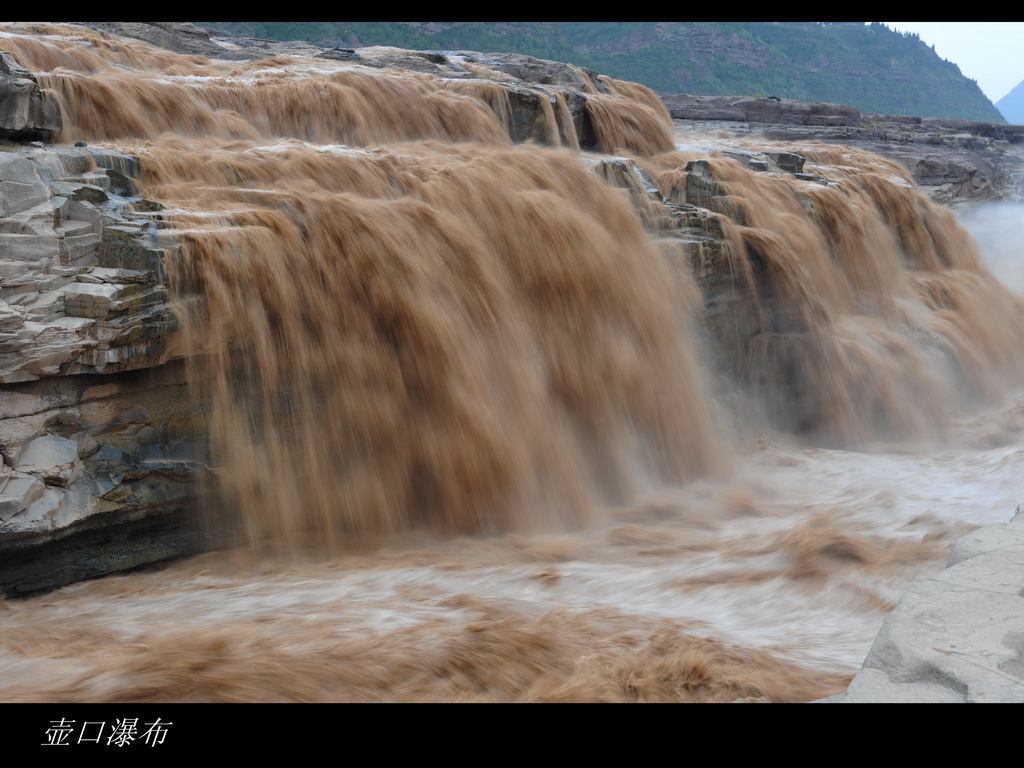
column 1012, row 105
column 870, row 67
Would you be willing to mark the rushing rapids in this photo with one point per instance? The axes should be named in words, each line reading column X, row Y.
column 411, row 329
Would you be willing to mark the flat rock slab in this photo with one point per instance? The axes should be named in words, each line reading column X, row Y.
column 47, row 453
column 956, row 637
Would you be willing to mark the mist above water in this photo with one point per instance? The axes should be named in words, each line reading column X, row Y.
column 996, row 227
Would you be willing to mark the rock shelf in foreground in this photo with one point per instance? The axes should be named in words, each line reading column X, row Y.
column 958, row 636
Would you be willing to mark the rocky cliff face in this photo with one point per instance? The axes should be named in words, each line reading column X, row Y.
column 100, row 443
column 26, row 111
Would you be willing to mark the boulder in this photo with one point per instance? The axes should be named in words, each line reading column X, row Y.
column 27, row 112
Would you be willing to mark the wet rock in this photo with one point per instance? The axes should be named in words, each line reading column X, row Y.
column 87, row 473
column 61, row 312
column 78, row 504
column 27, row 112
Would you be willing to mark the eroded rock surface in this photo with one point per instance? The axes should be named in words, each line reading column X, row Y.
column 956, row 637
column 67, row 305
column 27, row 112
column 99, row 437
column 953, row 161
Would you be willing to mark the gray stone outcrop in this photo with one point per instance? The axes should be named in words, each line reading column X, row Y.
column 953, row 161
column 99, row 438
column 958, row 636
column 27, row 112
column 66, row 304
column 771, row 110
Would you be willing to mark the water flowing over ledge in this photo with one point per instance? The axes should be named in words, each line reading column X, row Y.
column 361, row 313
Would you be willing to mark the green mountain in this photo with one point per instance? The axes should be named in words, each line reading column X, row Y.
column 867, row 66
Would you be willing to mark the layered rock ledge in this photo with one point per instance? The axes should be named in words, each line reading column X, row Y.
column 954, row 161
column 100, row 439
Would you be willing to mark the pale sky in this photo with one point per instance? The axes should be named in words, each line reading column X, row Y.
column 991, row 52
